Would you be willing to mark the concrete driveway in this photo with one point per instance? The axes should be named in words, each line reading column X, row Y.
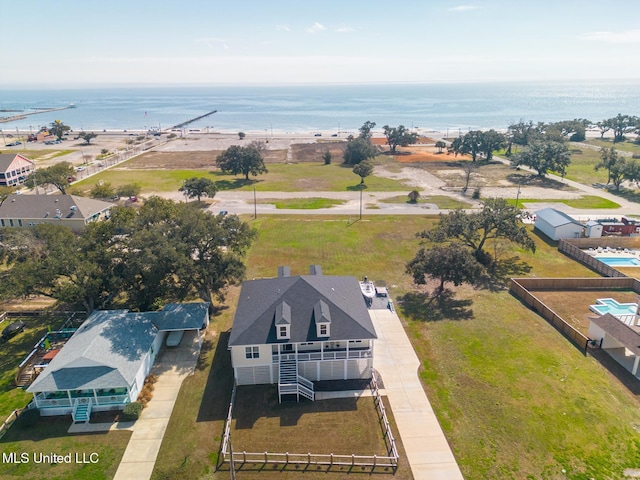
column 172, row 366
column 424, row 442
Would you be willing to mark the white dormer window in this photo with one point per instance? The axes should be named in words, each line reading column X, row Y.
column 322, row 318
column 282, row 321
column 283, row 332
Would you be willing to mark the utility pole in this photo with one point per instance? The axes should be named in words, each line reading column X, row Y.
column 361, row 201
column 255, row 204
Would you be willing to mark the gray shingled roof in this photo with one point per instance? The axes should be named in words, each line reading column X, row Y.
column 45, row 206
column 623, row 333
column 254, row 320
column 105, row 352
column 555, row 217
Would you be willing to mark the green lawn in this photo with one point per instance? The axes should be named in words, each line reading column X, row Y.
column 49, row 435
column 303, row 203
column 625, row 146
column 149, row 181
column 282, row 177
column 586, row 201
column 516, row 400
column 39, row 154
column 14, row 352
column 581, row 169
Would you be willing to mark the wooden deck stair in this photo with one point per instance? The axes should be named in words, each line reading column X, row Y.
column 24, row 379
column 81, row 412
column 290, row 383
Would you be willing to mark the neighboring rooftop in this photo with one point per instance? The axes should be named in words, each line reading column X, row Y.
column 623, row 333
column 106, row 351
column 48, row 206
column 555, row 218
column 7, row 158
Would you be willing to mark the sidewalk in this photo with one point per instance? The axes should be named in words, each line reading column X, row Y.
column 171, row 367
column 424, row 442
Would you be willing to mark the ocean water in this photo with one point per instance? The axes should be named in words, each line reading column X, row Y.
column 328, row 108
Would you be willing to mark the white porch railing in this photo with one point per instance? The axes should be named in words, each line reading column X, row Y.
column 326, row 355
column 65, row 402
column 53, row 402
column 112, row 399
column 305, row 388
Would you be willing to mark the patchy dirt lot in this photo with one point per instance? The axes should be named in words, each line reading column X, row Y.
column 192, row 160
column 313, row 152
column 573, row 306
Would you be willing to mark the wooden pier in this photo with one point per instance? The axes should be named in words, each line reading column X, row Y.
column 23, row 115
column 184, row 124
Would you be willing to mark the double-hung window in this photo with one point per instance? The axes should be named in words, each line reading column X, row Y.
column 252, row 352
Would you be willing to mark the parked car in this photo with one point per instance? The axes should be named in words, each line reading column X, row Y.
column 174, row 338
column 79, row 169
column 13, row 329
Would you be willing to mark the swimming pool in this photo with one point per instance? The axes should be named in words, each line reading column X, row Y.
column 612, row 306
column 619, row 261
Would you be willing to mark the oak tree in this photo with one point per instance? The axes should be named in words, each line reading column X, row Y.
column 241, row 160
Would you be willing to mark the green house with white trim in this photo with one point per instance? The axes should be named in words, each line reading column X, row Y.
column 104, row 364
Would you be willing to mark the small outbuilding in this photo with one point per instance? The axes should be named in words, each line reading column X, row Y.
column 556, row 224
column 593, row 229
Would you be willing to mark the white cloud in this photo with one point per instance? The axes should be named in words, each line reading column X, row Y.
column 628, row 36
column 463, row 8
column 316, row 28
column 345, row 29
column 283, row 28
column 212, row 42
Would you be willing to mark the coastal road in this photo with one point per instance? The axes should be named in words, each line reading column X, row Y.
column 242, row 202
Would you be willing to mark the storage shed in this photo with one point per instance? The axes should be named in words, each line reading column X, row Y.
column 556, row 224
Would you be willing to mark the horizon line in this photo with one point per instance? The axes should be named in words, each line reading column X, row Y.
column 96, row 85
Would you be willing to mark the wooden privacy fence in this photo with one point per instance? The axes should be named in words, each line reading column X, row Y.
column 632, row 243
column 328, row 460
column 583, row 257
column 522, row 289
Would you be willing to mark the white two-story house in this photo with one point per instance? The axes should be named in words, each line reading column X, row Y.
column 295, row 330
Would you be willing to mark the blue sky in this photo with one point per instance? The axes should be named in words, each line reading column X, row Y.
column 90, row 42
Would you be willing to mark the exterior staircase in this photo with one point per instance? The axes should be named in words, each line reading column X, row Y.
column 290, row 383
column 81, row 412
column 24, row 379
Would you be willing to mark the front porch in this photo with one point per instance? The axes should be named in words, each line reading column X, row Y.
column 48, row 402
column 323, row 351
